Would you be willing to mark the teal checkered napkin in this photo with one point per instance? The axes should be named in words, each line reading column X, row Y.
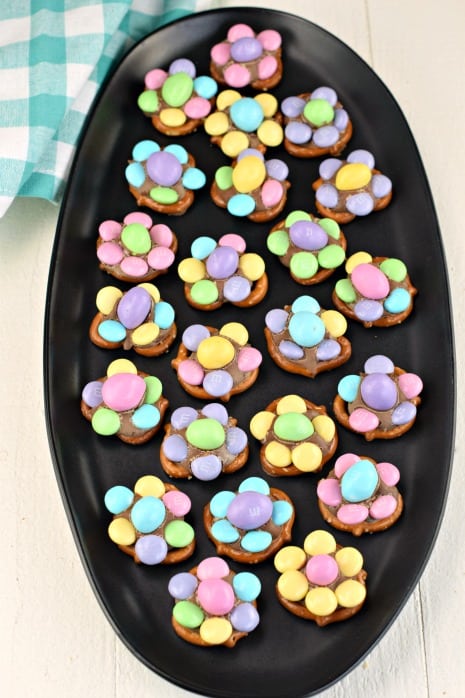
column 54, row 55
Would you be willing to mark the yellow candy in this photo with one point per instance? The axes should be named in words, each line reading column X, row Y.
column 321, row 601
column 270, row 133
column 234, row 143
column 216, row 124
column 149, row 486
column 145, row 334
column 350, row 561
column 268, row 103
column 249, row 174
column 324, row 427
column 291, row 403
column 356, row 259
column 215, row 631
column 335, row 322
column 260, row 424
column 121, row 366
column 354, row 175
column 293, row 585
column 191, row 270
column 122, row 532
column 291, row 557
column 236, row 331
column 215, row 352
column 106, row 299
column 152, row 290
column 307, row 457
column 319, row 543
column 252, row 266
column 173, row 117
column 226, row 98
column 278, row 454
column 350, row 593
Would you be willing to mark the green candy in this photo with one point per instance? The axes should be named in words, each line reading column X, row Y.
column 394, row 269
column 105, row 422
column 345, row 291
column 331, row 256
column 148, row 101
column 223, row 177
column 153, row 389
column 319, row 112
column 164, row 195
column 304, row 265
column 278, row 242
column 204, row 292
column 205, row 434
column 188, row 614
column 136, row 238
column 330, row 227
column 179, row 533
column 177, row 89
column 293, row 426
column 295, row 216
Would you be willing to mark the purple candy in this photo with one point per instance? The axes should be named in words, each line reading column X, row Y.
column 362, row 156
column 251, row 151
column 244, row 617
column 134, row 307
column 215, row 410
column 378, row 363
column 292, row 106
column 222, row 262
column 164, row 168
column 368, row 310
column 182, row 65
column 92, row 393
column 175, row 448
column 380, row 185
column 182, row 585
column 277, row 169
column 404, row 413
column 151, row 550
column 327, row 195
column 250, row 510
column 341, row 119
column 218, row 383
column 206, row 468
column 360, row 204
column 193, row 335
column 236, row 440
column 246, row 49
column 298, row 133
column 328, row 349
column 379, row 391
column 326, row 93
column 276, row 320
column 182, row 417
column 329, row 167
column 290, row 350
column 325, row 136
column 308, row 235
column 237, row 288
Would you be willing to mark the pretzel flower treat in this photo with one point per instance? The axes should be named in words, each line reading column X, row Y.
column 323, row 581
column 213, row 604
column 297, row 436
column 136, row 249
column 203, row 443
column 310, row 247
column 251, row 524
column 163, row 179
column 126, row 402
column 315, row 124
column 252, row 187
column 352, row 187
column 177, row 100
column 305, row 339
column 381, row 402
column 360, row 495
column 148, row 523
column 245, row 58
column 215, row 363
column 137, row 319
column 377, row 292
column 223, row 272
column 244, row 122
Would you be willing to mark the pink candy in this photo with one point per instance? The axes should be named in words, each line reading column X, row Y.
column 138, row 217
column 329, row 492
column 383, row 507
column 370, row 281
column 161, row 235
column 134, row 266
column 154, row 79
column 249, row 359
column 123, row 391
column 410, row 384
column 220, row 53
column 322, row 570
column 344, row 462
column 237, row 242
column 267, row 67
column 388, row 473
column 160, row 258
column 270, row 39
column 191, row 372
column 211, row 568
column 237, row 75
column 110, row 253
column 271, row 193
column 109, row 230
column 352, row 513
column 239, row 31
column 197, row 108
column 215, row 596
column 362, row 420
column 177, row 502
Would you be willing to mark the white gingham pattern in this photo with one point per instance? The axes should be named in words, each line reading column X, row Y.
column 54, row 55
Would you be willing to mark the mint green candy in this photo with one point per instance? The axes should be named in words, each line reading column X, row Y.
column 223, row 177
column 153, row 389
column 136, row 238
column 188, row 614
column 293, row 426
column 105, row 422
column 278, row 242
column 330, row 227
column 177, row 89
column 345, row 291
column 304, row 265
column 148, row 101
column 205, row 434
column 394, row 269
column 295, row 216
column 331, row 256
column 204, row 292
column 164, row 195
column 179, row 533
column 318, row 112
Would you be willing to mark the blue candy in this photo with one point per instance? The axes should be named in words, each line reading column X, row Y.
column 144, row 149
column 202, row 247
column 359, row 482
column 254, row 484
column 246, row 114
column 148, row 514
column 220, row 502
column 225, row 532
column 112, row 331
column 163, row 315
column 348, row 387
column 135, row 174
column 306, row 303
column 193, row 178
column 247, row 586
column 306, row 329
column 282, row 512
column 241, row 205
column 205, row 86
column 397, row 301
column 118, row 499
column 179, row 152
column 146, row 417
column 256, row 541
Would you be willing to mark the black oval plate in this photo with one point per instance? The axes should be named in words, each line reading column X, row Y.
column 285, row 656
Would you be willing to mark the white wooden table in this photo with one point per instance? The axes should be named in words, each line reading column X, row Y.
column 54, row 638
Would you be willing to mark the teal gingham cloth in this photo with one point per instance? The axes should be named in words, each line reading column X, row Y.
column 54, row 55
